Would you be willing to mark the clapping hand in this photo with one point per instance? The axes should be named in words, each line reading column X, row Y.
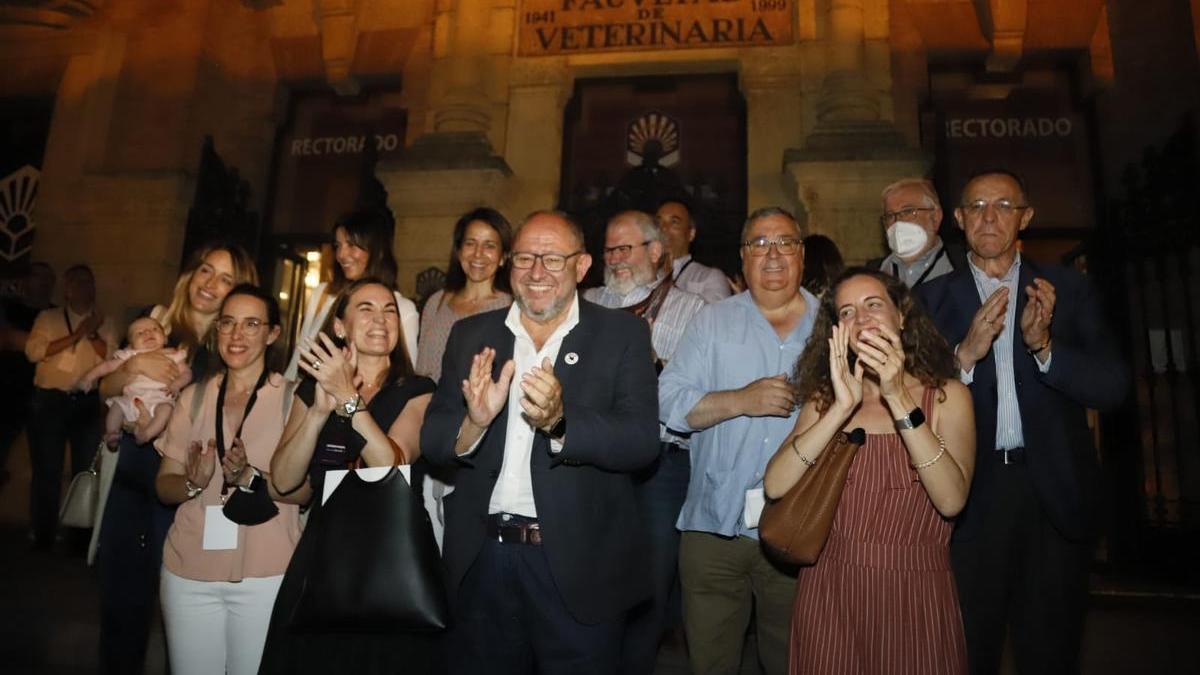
column 986, row 326
column 1038, row 313
column 847, row 384
column 486, row 397
column 334, row 370
column 880, row 349
column 235, row 463
column 542, row 402
column 201, row 463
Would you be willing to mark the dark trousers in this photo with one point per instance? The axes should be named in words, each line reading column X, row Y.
column 511, row 620
column 660, row 491
column 129, row 558
column 55, row 419
column 1019, row 577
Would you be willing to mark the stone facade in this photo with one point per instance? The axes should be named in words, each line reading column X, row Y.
column 831, row 117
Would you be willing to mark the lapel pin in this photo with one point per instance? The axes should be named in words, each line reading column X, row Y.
column 571, row 358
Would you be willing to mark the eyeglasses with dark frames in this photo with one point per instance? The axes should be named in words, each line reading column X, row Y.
column 553, row 262
column 760, row 246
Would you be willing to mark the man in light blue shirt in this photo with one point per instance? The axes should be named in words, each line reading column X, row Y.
column 728, row 385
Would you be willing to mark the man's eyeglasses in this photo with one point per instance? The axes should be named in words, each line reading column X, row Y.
column 622, row 250
column 760, row 246
column 906, row 215
column 250, row 327
column 1003, row 207
column 553, row 262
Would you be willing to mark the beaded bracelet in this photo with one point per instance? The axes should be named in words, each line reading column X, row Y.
column 807, row 461
column 941, row 451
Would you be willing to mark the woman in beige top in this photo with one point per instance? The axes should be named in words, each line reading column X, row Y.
column 219, row 579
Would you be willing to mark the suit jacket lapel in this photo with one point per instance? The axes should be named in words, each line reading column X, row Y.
column 577, row 345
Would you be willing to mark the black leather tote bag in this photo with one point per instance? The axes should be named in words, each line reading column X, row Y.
column 375, row 566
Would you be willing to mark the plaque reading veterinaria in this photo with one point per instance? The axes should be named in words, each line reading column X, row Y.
column 555, row 27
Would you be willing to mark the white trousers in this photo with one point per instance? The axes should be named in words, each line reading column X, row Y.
column 216, row 627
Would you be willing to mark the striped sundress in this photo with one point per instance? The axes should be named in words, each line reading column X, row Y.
column 881, row 597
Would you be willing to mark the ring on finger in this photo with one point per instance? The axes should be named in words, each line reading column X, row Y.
column 316, row 364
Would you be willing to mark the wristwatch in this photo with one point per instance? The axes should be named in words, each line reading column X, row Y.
column 559, row 430
column 912, row 420
column 192, row 490
column 350, row 406
column 254, row 483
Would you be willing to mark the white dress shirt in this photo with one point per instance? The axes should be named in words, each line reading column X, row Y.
column 1009, row 431
column 514, row 487
column 707, row 282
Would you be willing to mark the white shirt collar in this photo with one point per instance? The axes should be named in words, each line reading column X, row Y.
column 513, row 320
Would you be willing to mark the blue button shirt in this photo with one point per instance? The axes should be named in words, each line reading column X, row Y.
column 727, row 346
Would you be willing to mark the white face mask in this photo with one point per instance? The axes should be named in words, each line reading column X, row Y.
column 906, row 239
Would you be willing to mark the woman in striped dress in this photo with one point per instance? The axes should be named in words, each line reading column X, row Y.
column 881, row 598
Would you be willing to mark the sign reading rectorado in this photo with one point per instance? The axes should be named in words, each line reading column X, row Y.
column 549, row 27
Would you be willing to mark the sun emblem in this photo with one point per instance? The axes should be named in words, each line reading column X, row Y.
column 653, row 138
column 18, row 194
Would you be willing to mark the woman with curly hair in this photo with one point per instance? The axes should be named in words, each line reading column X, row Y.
column 881, row 598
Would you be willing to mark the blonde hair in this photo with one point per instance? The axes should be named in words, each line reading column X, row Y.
column 177, row 321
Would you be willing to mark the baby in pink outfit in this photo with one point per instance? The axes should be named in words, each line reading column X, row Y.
column 157, row 398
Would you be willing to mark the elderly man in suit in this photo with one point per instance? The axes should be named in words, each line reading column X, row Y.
column 1037, row 353
column 546, row 409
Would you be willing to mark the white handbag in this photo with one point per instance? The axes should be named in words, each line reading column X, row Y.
column 79, row 505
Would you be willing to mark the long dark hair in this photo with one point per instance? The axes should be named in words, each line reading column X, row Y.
column 399, row 366
column 456, row 277
column 372, row 231
column 822, row 263
column 927, row 356
column 272, row 356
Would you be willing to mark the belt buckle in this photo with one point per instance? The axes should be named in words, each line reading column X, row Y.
column 1008, row 461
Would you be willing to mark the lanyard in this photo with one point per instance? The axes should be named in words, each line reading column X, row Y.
column 262, row 379
column 896, row 268
column 685, row 266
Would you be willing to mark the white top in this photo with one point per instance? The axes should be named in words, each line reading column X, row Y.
column 317, row 311
column 514, row 487
column 707, row 282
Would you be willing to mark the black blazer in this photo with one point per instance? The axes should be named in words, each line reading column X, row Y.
column 592, row 534
column 1086, row 371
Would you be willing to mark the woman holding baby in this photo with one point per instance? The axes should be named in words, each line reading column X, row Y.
column 133, row 522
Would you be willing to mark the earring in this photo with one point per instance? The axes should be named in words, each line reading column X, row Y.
column 341, row 336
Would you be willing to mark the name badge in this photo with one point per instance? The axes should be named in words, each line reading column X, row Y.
column 756, row 499
column 220, row 533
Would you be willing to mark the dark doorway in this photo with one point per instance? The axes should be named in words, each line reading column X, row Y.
column 630, row 143
column 24, row 126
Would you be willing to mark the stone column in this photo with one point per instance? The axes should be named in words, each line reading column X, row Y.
column 453, row 167
column 853, row 151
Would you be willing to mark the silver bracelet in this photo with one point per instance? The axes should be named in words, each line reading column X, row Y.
column 807, row 461
column 941, row 451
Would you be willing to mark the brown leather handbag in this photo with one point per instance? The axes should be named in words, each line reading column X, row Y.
column 795, row 526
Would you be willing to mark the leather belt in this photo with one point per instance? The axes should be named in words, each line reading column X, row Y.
column 1011, row 456
column 672, row 447
column 508, row 530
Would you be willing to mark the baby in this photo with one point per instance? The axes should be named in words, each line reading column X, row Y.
column 157, row 398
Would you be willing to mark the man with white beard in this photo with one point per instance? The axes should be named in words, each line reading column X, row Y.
column 636, row 279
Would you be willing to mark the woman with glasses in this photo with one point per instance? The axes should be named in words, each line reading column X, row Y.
column 362, row 247
column 231, row 540
column 881, row 597
column 128, row 544
column 362, row 405
column 476, row 281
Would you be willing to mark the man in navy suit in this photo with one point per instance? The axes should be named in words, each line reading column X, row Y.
column 546, row 409
column 1036, row 351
